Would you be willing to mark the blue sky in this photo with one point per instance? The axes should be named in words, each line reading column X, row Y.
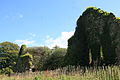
column 45, row 22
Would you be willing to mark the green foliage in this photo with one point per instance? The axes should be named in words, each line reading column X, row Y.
column 98, row 10
column 8, row 60
column 8, row 47
column 6, row 70
column 37, row 78
column 78, row 50
column 8, row 54
column 95, row 29
column 108, row 47
column 56, row 59
column 22, row 50
column 40, row 54
column 27, row 55
column 24, row 61
column 118, row 18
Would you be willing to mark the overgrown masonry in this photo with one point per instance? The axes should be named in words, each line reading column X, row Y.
column 96, row 40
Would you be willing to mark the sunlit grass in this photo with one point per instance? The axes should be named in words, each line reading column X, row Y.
column 71, row 73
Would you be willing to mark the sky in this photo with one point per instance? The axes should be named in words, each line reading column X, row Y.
column 45, row 22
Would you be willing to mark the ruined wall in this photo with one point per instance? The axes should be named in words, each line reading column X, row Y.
column 96, row 40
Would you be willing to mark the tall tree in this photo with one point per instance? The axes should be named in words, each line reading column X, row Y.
column 56, row 59
column 8, row 54
column 24, row 60
column 22, row 50
column 40, row 54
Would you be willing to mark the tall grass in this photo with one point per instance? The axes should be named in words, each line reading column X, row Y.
column 70, row 73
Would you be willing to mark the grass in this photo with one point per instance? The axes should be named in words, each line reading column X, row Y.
column 69, row 73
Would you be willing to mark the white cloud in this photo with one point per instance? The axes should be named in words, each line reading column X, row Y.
column 30, row 41
column 26, row 42
column 59, row 41
column 20, row 16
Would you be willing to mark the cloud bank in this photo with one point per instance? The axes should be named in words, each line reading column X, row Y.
column 60, row 41
column 49, row 41
column 29, row 41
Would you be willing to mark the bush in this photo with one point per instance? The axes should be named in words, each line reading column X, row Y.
column 56, row 59
column 6, row 70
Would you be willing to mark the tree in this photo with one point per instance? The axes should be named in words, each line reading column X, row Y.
column 9, row 48
column 8, row 54
column 40, row 54
column 56, row 59
column 22, row 50
column 24, row 60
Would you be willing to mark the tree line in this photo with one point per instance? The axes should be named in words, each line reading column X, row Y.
column 15, row 59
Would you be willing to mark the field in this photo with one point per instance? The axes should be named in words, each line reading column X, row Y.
column 103, row 73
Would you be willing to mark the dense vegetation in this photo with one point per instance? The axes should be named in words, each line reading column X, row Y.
column 15, row 59
column 96, row 41
column 12, row 59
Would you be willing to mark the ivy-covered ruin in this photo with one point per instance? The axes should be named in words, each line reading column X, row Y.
column 96, row 40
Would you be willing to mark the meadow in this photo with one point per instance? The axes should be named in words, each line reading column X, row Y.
column 69, row 73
